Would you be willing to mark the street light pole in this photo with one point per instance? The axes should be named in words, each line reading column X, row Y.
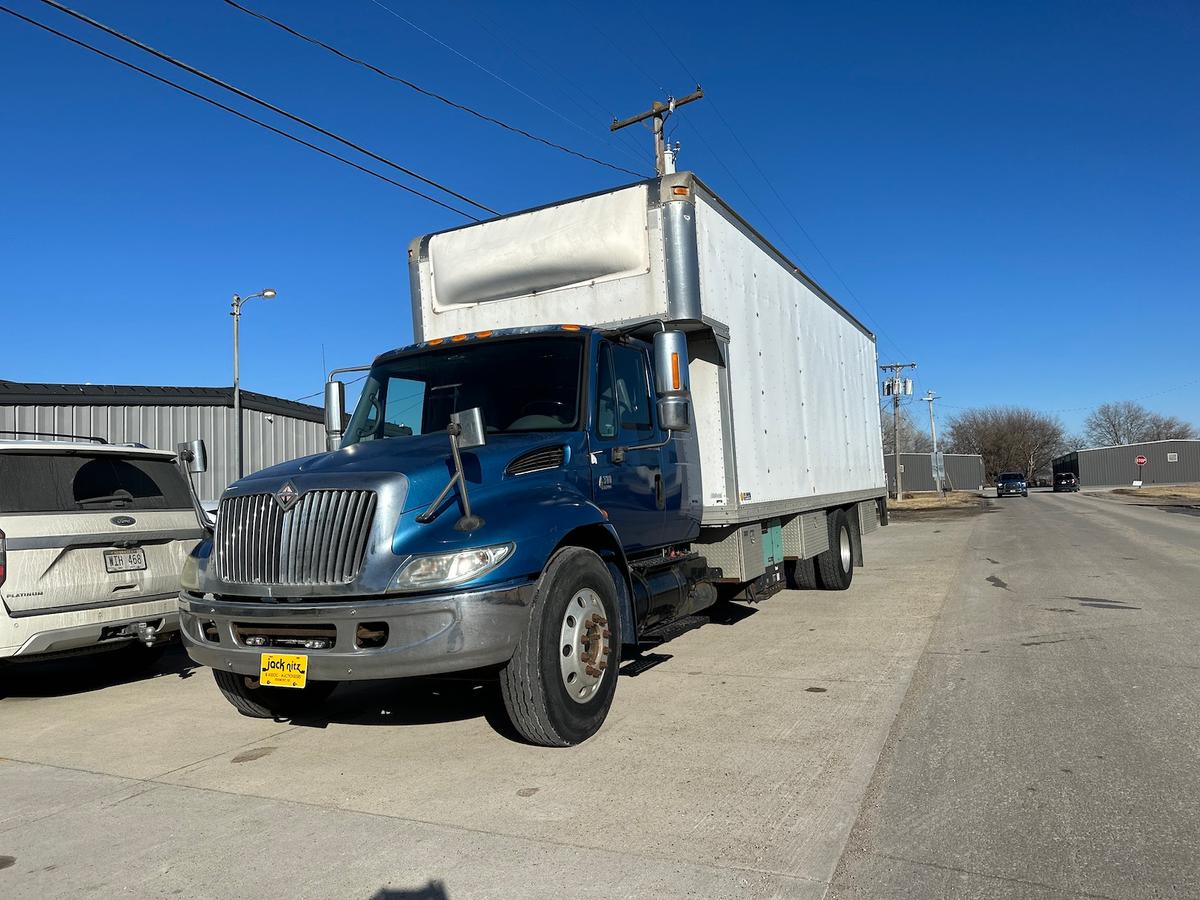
column 237, row 381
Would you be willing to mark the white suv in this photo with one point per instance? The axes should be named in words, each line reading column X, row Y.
column 92, row 540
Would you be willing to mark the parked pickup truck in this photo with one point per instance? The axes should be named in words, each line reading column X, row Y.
column 618, row 409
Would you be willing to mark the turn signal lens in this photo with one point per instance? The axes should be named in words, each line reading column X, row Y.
column 680, row 191
column 570, row 327
column 674, row 371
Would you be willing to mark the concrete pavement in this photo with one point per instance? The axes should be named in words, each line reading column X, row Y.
column 1003, row 705
column 1047, row 745
column 735, row 767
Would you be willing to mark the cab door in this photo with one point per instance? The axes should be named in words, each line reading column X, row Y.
column 627, row 483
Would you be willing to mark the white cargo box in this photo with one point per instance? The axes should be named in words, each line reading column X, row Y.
column 783, row 378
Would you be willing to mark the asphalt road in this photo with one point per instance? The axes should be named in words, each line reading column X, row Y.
column 1047, row 746
column 1003, row 705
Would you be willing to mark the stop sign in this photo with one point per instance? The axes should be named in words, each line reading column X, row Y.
column 1141, row 460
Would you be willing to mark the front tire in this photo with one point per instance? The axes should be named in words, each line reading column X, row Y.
column 257, row 702
column 559, row 685
column 835, row 567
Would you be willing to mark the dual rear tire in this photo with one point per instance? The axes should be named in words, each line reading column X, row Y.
column 832, row 570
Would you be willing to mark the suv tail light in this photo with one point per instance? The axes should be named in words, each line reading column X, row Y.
column 3, row 559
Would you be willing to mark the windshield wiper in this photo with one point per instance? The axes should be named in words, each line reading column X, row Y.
column 121, row 496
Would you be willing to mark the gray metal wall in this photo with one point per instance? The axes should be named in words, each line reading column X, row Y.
column 270, row 438
column 964, row 471
column 1116, row 466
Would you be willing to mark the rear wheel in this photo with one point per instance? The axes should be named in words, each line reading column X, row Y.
column 801, row 574
column 835, row 567
column 252, row 699
column 559, row 685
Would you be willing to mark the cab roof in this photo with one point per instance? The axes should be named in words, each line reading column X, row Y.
column 484, row 335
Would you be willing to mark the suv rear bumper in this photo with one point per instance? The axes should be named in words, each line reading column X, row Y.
column 81, row 629
column 425, row 634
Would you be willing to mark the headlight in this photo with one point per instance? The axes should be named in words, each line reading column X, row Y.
column 443, row 569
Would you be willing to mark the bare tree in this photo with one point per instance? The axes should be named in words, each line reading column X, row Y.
column 1169, row 428
column 1009, row 438
column 1127, row 422
column 913, row 439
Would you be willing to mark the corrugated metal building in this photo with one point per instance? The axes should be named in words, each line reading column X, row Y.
column 1167, row 462
column 964, row 471
column 275, row 430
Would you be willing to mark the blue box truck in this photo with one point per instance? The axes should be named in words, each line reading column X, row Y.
column 617, row 410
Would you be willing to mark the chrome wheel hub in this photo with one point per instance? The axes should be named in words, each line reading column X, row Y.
column 584, row 646
column 844, row 549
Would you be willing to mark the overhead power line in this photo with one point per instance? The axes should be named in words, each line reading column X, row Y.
column 229, row 109
column 786, row 208
column 481, row 67
column 245, row 95
column 426, row 91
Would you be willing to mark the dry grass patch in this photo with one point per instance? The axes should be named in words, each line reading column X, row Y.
column 930, row 500
column 1186, row 493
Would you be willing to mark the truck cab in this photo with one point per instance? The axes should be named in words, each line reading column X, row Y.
column 359, row 563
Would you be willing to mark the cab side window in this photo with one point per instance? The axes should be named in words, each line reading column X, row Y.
column 624, row 394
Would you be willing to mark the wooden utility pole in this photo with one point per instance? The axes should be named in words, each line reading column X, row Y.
column 659, row 112
column 895, row 386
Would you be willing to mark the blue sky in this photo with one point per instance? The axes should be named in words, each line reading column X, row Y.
column 1010, row 191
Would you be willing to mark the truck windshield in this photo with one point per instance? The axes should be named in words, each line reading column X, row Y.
column 529, row 384
column 1012, row 476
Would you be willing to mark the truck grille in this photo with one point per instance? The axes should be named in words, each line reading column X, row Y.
column 320, row 540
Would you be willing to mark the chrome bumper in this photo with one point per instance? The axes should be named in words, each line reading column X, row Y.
column 426, row 634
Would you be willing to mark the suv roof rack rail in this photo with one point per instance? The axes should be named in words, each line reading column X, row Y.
column 56, row 434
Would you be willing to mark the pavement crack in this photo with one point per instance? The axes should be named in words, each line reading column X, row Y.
column 1010, row 879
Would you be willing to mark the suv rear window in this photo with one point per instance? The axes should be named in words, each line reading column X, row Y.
column 49, row 482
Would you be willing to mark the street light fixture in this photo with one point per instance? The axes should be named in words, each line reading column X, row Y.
column 238, row 301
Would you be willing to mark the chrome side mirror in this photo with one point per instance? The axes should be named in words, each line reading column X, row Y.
column 195, row 455
column 671, row 381
column 471, row 432
column 335, row 405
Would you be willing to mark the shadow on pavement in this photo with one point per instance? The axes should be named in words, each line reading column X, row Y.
column 67, row 675
column 415, row 701
column 435, row 890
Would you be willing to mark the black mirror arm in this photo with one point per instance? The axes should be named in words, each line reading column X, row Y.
column 206, row 523
column 467, row 522
column 617, row 454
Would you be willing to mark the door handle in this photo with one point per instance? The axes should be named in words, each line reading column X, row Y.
column 660, row 499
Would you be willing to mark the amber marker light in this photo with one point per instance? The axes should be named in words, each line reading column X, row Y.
column 569, row 327
column 675, row 371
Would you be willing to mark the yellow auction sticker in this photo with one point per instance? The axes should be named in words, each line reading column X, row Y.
column 283, row 670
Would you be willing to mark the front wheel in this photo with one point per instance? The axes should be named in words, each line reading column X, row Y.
column 252, row 699
column 559, row 685
column 835, row 567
